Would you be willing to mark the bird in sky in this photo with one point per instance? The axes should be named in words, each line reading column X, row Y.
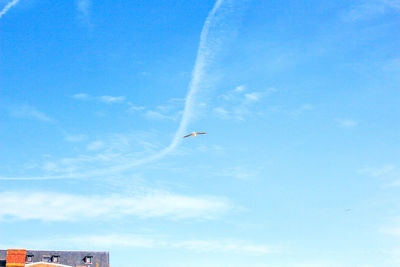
column 193, row 134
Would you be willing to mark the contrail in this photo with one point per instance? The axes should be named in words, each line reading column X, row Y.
column 204, row 54
column 198, row 72
column 8, row 6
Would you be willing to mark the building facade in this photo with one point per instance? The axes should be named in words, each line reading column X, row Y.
column 50, row 258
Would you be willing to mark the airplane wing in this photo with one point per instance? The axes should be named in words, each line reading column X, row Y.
column 201, row 133
column 187, row 135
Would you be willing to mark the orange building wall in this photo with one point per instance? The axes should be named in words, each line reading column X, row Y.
column 16, row 258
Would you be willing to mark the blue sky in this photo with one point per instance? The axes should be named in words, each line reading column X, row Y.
column 300, row 166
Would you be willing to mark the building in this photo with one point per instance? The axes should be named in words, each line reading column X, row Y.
column 50, row 258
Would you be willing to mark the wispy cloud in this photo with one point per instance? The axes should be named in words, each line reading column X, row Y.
column 254, row 96
column 239, row 172
column 206, row 51
column 301, row 110
column 234, row 93
column 29, row 112
column 96, row 145
column 46, row 206
column 107, row 99
column 112, row 99
column 395, row 231
column 393, row 255
column 346, row 123
column 240, row 88
column 83, row 8
column 134, row 108
column 392, row 65
column 75, row 138
column 226, row 246
column 81, row 96
column 169, row 111
column 101, row 157
column 237, row 103
column 102, row 242
column 389, row 173
column 371, row 8
column 104, row 99
column 386, row 170
column 7, row 7
column 222, row 112
column 151, row 114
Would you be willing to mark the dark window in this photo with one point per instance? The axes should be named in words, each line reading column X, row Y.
column 88, row 259
column 46, row 258
column 29, row 258
column 55, row 259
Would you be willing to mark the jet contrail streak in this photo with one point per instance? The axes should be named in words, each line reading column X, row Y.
column 198, row 71
column 8, row 6
column 197, row 74
column 203, row 55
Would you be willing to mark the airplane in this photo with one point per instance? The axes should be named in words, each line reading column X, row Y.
column 193, row 134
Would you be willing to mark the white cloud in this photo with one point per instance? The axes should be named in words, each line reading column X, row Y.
column 104, row 99
column 221, row 111
column 258, row 95
column 134, row 108
column 237, row 104
column 112, row 99
column 392, row 65
column 29, row 112
column 239, row 172
column 50, row 166
column 81, row 96
column 394, row 252
column 386, row 170
column 234, row 94
column 371, row 8
column 388, row 173
column 76, row 138
column 346, row 123
column 46, row 206
column 95, row 146
column 236, row 246
column 301, row 110
column 100, row 158
column 255, row 96
column 172, row 110
column 83, row 7
column 7, row 7
column 381, row 171
column 30, row 165
column 240, row 88
column 151, row 114
column 395, row 231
